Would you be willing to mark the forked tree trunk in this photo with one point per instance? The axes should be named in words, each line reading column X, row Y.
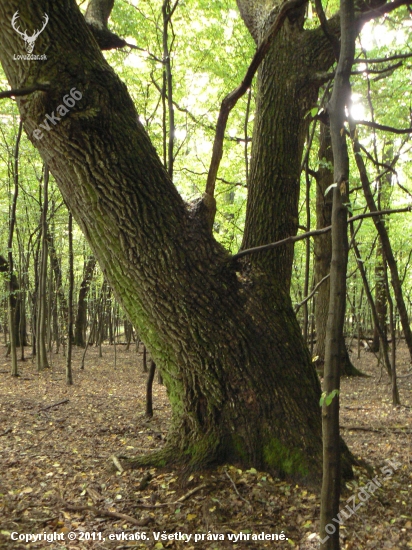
column 238, row 375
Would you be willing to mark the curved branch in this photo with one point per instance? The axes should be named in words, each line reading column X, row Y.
column 309, row 296
column 315, row 232
column 231, row 99
column 383, row 127
column 333, row 39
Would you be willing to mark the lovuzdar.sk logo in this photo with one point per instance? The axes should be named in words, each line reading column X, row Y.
column 29, row 40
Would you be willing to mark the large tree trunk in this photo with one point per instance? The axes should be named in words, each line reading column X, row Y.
column 239, row 378
column 286, row 90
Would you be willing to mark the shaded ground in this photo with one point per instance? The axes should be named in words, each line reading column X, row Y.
column 56, row 460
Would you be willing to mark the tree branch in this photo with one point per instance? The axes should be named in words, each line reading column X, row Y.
column 315, row 232
column 389, row 7
column 24, row 91
column 231, row 99
column 309, row 296
column 333, row 39
column 383, row 127
column 384, row 59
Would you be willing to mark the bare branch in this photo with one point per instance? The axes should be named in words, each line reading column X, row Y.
column 383, row 127
column 231, row 99
column 24, row 91
column 384, row 59
column 309, row 296
column 315, row 232
column 333, row 39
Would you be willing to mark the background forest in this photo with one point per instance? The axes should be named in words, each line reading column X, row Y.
column 179, row 61
column 209, row 50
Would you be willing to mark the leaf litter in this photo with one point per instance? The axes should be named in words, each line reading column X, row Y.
column 59, row 446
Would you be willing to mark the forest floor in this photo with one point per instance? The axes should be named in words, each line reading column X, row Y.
column 57, row 474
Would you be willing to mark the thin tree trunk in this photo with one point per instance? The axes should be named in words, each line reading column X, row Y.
column 167, row 13
column 340, row 100
column 34, row 301
column 69, row 375
column 395, row 393
column 12, row 300
column 382, row 335
column 149, row 389
column 380, row 298
column 81, row 317
column 41, row 355
column 323, row 243
column 144, row 358
column 307, row 258
column 323, row 254
column 56, row 268
column 93, row 328
column 386, row 245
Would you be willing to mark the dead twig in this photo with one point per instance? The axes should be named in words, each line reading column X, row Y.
column 190, row 493
column 99, row 512
column 235, row 488
column 377, row 430
column 361, row 429
column 55, row 405
column 6, row 432
column 43, row 520
column 175, row 502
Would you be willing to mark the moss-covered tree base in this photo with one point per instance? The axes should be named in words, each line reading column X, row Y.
column 275, row 458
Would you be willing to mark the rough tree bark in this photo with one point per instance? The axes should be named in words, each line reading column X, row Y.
column 287, row 88
column 239, row 377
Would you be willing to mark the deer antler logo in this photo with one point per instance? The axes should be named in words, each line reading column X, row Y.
column 29, row 40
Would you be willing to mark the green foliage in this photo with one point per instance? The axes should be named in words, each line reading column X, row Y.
column 327, row 398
